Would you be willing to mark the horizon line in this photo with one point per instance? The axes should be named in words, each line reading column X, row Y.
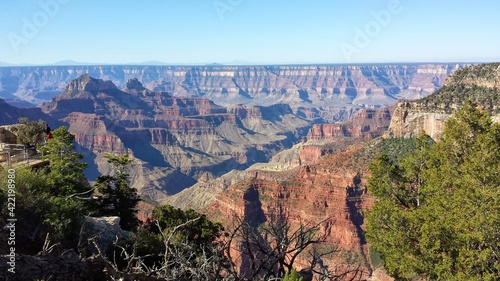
column 2, row 64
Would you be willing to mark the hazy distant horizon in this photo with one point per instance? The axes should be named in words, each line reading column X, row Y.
column 75, row 63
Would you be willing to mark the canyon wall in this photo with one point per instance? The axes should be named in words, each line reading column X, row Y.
column 477, row 83
column 410, row 119
column 328, row 92
column 173, row 140
column 331, row 193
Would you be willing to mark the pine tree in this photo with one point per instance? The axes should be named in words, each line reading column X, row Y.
column 68, row 189
column 438, row 210
column 116, row 196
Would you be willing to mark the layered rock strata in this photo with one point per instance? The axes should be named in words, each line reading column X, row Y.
column 327, row 92
column 175, row 140
column 478, row 83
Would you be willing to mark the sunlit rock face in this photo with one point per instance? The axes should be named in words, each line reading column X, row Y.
column 174, row 140
column 479, row 83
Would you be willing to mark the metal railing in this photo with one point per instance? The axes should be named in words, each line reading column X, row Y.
column 16, row 153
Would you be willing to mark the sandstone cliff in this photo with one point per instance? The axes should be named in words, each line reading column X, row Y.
column 479, row 83
column 364, row 125
column 331, row 192
column 410, row 119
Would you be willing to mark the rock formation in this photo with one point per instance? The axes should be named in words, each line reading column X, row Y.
column 10, row 114
column 478, row 83
column 175, row 140
column 331, row 192
column 328, row 92
column 410, row 119
column 7, row 135
column 321, row 140
column 99, row 232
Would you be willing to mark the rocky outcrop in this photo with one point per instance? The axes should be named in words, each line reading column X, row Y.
column 329, row 92
column 7, row 135
column 98, row 234
column 134, row 86
column 89, row 84
column 324, row 139
column 331, row 192
column 310, row 154
column 410, row 119
column 478, row 83
column 365, row 124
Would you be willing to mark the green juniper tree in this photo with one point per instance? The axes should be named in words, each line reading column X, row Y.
column 68, row 189
column 29, row 133
column 116, row 197
column 438, row 210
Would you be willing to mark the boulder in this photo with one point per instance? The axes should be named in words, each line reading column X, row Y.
column 98, row 234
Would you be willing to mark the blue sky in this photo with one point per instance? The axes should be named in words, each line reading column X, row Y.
column 251, row 31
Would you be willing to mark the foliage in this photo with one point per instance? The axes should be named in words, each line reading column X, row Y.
column 449, row 97
column 201, row 230
column 30, row 133
column 53, row 200
column 69, row 193
column 394, row 148
column 470, row 83
column 116, row 197
column 65, row 172
column 120, row 163
column 438, row 210
column 184, row 245
column 486, row 71
column 375, row 259
column 292, row 275
column 30, row 205
column 176, row 245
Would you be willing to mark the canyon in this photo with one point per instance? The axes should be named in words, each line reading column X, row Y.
column 478, row 84
column 324, row 177
column 174, row 140
column 325, row 92
column 321, row 180
column 243, row 159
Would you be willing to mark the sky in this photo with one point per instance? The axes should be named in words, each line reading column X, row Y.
column 249, row 31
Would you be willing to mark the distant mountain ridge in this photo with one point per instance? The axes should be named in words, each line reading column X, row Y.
column 327, row 92
column 10, row 114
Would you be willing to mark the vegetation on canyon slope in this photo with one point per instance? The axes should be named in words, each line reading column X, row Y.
column 478, row 83
column 438, row 210
column 437, row 213
column 54, row 203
